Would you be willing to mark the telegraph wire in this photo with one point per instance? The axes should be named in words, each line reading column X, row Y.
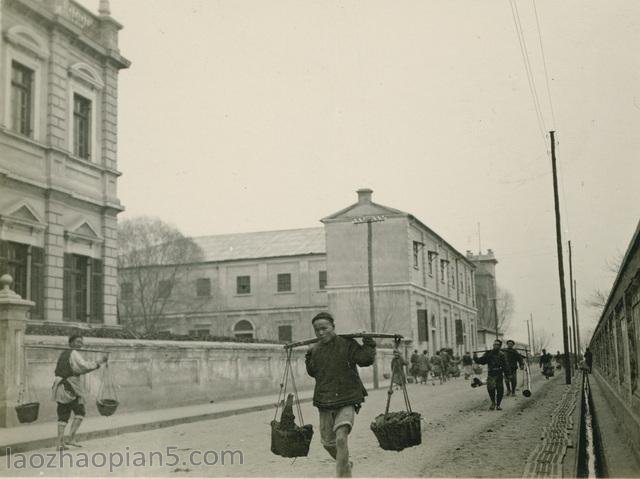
column 527, row 66
column 544, row 64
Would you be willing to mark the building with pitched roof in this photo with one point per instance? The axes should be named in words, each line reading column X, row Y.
column 58, row 157
column 269, row 284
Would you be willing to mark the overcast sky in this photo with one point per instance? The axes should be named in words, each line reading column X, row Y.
column 259, row 115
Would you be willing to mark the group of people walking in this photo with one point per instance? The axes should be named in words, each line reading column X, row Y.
column 440, row 367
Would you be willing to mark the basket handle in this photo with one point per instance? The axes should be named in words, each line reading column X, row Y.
column 403, row 383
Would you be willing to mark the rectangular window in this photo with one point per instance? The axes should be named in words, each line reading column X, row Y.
column 443, row 269
column 284, row 282
column 459, row 332
column 452, row 277
column 126, row 291
column 164, row 288
column 21, row 99
column 25, row 264
column 81, row 127
column 285, row 333
column 423, row 325
column 203, row 287
column 243, row 284
column 322, row 280
column 416, row 258
column 83, row 289
column 430, row 261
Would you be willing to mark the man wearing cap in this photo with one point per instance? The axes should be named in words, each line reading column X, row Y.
column 339, row 392
column 514, row 360
column 496, row 366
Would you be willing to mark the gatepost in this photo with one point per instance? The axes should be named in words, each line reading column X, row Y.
column 14, row 312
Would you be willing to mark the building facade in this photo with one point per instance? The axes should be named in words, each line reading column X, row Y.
column 424, row 288
column 59, row 66
column 486, row 296
column 264, row 285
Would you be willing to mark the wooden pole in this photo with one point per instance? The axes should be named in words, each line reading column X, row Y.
column 528, row 335
column 372, row 310
column 575, row 293
column 563, row 294
column 533, row 335
column 573, row 305
column 495, row 313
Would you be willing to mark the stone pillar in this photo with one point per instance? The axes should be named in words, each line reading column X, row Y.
column 14, row 312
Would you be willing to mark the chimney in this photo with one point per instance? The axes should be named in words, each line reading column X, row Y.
column 104, row 8
column 364, row 195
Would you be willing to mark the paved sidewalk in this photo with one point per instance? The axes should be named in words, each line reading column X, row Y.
column 40, row 435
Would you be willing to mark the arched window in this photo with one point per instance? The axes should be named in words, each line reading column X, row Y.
column 243, row 329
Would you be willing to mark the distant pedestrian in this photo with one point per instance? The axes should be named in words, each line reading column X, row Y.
column 514, row 360
column 588, row 359
column 424, row 367
column 496, row 363
column 397, row 369
column 558, row 359
column 545, row 364
column 339, row 392
column 413, row 368
column 68, row 390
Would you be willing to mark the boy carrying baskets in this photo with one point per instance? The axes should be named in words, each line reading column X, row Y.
column 338, row 392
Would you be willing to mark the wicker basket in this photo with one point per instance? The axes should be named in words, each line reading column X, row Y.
column 28, row 412
column 106, row 407
column 292, row 442
column 398, row 430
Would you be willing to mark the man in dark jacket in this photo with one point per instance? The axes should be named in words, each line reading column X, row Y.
column 588, row 359
column 338, row 392
column 496, row 366
column 514, row 360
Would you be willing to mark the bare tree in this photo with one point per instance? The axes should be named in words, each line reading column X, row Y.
column 597, row 300
column 543, row 339
column 505, row 306
column 388, row 306
column 154, row 261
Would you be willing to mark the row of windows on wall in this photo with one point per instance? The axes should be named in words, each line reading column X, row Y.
column 243, row 329
column 82, row 281
column 615, row 344
column 444, row 271
column 22, row 108
column 203, row 286
column 424, row 326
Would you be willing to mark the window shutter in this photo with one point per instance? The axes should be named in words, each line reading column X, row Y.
column 459, row 333
column 97, row 292
column 37, row 282
column 423, row 326
column 67, row 293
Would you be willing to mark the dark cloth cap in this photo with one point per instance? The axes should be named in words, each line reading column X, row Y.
column 511, row 341
column 498, row 340
column 323, row 315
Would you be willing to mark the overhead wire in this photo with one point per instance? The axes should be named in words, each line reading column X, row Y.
column 527, row 66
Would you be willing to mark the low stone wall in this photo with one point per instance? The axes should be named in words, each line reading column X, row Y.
column 163, row 374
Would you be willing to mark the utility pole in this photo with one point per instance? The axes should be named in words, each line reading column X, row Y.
column 575, row 293
column 495, row 314
column 533, row 335
column 529, row 337
column 573, row 306
column 563, row 294
column 372, row 311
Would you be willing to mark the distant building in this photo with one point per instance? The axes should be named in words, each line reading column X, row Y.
column 268, row 285
column 264, row 285
column 486, row 293
column 58, row 157
column 424, row 287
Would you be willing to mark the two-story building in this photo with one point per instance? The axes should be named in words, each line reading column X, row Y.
column 59, row 67
column 424, row 287
column 268, row 285
column 263, row 285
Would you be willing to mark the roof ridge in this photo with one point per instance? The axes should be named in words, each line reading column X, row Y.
column 260, row 232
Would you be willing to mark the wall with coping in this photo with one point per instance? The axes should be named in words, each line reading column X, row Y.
column 164, row 374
